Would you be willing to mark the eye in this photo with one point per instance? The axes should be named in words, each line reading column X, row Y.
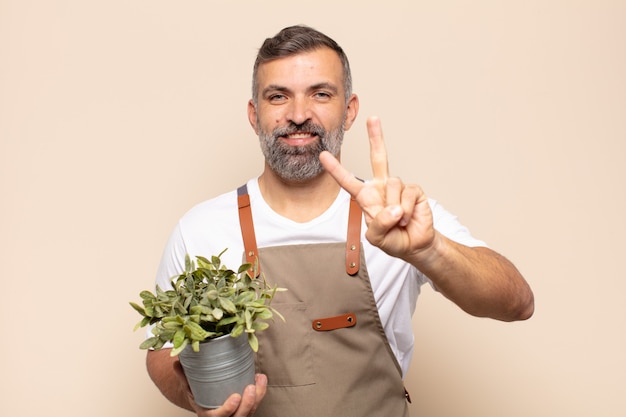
column 276, row 98
column 322, row 95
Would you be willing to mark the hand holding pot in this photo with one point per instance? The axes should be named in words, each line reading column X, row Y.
column 236, row 405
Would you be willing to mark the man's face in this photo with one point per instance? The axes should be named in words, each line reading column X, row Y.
column 301, row 111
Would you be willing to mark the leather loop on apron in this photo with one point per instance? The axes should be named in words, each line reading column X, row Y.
column 334, row 323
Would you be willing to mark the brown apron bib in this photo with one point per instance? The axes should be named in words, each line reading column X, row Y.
column 331, row 357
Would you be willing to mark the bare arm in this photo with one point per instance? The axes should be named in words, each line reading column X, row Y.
column 479, row 280
column 167, row 374
column 400, row 222
column 163, row 370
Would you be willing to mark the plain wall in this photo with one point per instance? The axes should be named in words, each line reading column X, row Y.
column 117, row 116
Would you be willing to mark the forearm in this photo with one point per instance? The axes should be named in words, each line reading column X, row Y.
column 161, row 368
column 480, row 281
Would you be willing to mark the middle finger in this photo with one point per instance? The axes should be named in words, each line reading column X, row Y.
column 378, row 153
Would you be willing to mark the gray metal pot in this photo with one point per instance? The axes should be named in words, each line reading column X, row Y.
column 222, row 367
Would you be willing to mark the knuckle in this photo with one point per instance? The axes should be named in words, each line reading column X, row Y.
column 394, row 181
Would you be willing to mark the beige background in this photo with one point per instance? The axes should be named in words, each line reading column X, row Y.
column 117, row 116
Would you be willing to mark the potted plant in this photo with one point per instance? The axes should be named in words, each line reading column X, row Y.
column 202, row 317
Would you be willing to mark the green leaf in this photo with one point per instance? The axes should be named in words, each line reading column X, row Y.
column 253, row 341
column 159, row 344
column 175, row 351
column 139, row 308
column 147, row 295
column 171, row 319
column 149, row 343
column 228, row 305
column 143, row 323
column 248, row 318
column 194, row 331
column 228, row 320
column 263, row 314
column 179, row 338
column 217, row 313
column 278, row 314
column 197, row 309
column 237, row 330
column 260, row 326
column 202, row 261
column 171, row 325
column 245, row 297
column 256, row 304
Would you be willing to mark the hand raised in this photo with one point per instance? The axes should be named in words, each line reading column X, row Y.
column 398, row 215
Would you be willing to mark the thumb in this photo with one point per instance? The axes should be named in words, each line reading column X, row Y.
column 385, row 220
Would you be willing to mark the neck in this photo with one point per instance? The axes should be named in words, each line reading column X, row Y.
column 298, row 201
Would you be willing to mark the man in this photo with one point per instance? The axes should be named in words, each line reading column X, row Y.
column 352, row 254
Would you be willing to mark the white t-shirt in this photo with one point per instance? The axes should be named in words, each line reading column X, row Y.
column 212, row 226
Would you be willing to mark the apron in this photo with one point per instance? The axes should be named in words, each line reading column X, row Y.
column 331, row 357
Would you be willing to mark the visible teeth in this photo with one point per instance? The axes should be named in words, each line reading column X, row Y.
column 299, row 135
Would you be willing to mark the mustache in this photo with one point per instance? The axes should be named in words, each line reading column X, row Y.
column 307, row 126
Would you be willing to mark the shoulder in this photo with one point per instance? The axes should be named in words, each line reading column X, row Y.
column 208, row 209
column 207, row 229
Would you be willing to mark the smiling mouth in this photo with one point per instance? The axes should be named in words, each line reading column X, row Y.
column 299, row 138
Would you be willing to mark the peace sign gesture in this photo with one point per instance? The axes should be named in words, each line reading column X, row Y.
column 398, row 215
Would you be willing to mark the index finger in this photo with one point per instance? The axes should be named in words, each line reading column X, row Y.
column 378, row 153
column 344, row 178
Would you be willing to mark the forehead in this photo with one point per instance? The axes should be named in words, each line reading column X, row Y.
column 306, row 68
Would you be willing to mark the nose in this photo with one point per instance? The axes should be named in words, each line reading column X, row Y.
column 299, row 111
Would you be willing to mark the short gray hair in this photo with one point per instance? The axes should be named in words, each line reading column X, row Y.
column 294, row 40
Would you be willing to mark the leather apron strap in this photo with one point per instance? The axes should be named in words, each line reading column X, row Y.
column 353, row 247
column 247, row 231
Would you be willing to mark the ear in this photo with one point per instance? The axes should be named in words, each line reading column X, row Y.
column 352, row 110
column 252, row 116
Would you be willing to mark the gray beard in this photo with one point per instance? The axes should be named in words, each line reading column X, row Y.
column 299, row 163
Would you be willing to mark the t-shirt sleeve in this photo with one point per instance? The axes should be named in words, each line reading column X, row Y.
column 172, row 260
column 448, row 225
column 172, row 264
